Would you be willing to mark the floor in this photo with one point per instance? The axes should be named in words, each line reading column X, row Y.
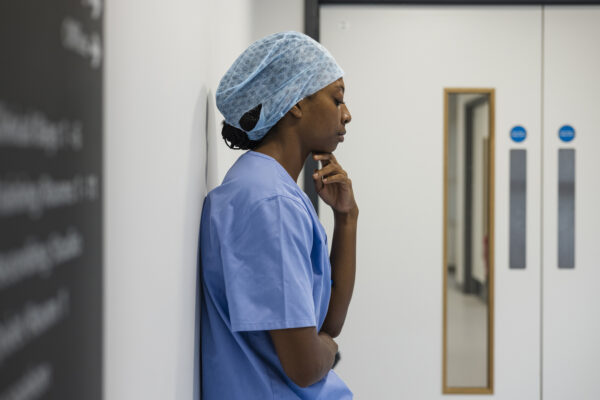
column 467, row 338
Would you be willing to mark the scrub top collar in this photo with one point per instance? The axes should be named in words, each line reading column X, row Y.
column 279, row 166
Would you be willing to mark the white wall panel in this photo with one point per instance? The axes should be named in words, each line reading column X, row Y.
column 163, row 60
column 571, row 310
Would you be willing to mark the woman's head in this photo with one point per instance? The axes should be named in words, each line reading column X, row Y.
column 320, row 119
column 283, row 73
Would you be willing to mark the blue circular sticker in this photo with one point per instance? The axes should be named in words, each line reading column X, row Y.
column 566, row 133
column 518, row 133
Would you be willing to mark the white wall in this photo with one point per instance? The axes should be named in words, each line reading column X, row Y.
column 453, row 187
column 159, row 69
column 456, row 224
column 478, row 220
column 163, row 151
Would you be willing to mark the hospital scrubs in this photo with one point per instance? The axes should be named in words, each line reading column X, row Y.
column 265, row 265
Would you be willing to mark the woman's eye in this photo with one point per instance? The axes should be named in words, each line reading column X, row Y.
column 337, row 102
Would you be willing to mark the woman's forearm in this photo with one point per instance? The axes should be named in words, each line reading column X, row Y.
column 343, row 270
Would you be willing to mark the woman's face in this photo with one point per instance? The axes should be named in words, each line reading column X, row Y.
column 327, row 116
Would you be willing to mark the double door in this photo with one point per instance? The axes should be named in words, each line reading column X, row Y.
column 542, row 63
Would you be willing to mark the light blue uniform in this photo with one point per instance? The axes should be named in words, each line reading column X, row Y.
column 265, row 266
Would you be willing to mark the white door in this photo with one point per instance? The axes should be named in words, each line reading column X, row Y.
column 571, row 304
column 398, row 60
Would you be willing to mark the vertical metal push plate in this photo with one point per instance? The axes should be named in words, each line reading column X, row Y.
column 518, row 207
column 566, row 208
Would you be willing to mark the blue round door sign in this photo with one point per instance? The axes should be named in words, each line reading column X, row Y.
column 518, row 133
column 566, row 133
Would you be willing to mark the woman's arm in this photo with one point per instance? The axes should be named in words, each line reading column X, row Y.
column 306, row 357
column 343, row 270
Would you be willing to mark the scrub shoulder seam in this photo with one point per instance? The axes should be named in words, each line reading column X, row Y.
column 271, row 197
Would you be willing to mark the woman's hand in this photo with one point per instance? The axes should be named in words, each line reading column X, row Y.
column 333, row 185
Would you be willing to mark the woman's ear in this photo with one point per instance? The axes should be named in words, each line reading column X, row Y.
column 296, row 110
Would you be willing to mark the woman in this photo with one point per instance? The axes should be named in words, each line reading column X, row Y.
column 273, row 299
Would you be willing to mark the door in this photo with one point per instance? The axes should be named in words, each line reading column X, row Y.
column 571, row 224
column 398, row 62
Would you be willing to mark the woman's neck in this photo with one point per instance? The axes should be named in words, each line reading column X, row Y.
column 283, row 145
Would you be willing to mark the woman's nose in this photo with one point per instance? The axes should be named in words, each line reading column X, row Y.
column 347, row 117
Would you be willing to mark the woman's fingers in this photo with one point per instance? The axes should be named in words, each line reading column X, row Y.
column 326, row 159
column 336, row 178
column 318, row 182
column 325, row 156
column 329, row 170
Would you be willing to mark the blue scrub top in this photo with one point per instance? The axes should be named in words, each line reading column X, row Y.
column 265, row 265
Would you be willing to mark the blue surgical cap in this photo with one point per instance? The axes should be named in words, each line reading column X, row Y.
column 272, row 75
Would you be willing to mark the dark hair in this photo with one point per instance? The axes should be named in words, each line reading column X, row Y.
column 238, row 137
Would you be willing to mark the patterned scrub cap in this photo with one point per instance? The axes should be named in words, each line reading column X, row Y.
column 270, row 77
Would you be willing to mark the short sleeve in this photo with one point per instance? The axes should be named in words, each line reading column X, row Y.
column 268, row 271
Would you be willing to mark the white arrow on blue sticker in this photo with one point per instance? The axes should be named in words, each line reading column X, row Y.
column 518, row 133
column 566, row 133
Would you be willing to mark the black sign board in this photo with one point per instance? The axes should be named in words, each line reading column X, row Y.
column 50, row 199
